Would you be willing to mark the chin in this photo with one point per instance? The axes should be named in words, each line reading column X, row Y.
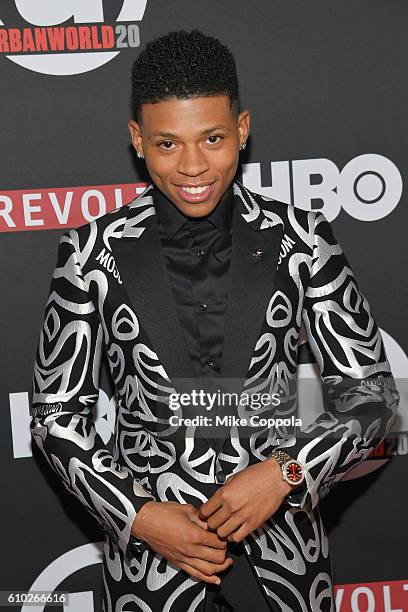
column 196, row 210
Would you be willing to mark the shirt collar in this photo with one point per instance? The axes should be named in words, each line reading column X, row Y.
column 172, row 219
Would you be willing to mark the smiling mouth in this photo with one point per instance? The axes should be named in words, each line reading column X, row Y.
column 200, row 189
column 191, row 194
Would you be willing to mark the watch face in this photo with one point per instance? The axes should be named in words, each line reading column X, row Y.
column 294, row 472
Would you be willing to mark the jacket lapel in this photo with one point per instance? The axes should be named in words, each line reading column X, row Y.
column 145, row 279
column 255, row 250
column 256, row 242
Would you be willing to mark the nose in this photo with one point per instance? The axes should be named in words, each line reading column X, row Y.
column 192, row 162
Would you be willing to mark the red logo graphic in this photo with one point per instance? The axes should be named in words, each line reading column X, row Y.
column 389, row 596
column 42, row 209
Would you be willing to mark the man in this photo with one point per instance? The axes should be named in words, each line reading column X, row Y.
column 188, row 287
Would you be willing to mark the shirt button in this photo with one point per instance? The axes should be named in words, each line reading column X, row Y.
column 203, row 306
column 200, row 253
column 210, row 363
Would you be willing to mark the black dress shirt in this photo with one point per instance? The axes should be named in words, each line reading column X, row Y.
column 197, row 252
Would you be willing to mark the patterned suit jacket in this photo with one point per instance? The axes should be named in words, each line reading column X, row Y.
column 110, row 293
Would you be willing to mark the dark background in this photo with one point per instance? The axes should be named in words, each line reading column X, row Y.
column 322, row 80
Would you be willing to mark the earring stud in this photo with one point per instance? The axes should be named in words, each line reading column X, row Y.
column 139, row 154
column 243, row 146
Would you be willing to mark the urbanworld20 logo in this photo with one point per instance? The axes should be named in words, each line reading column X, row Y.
column 70, row 37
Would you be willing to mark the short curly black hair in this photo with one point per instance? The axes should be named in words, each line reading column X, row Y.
column 183, row 65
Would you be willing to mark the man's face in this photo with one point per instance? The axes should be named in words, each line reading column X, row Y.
column 191, row 149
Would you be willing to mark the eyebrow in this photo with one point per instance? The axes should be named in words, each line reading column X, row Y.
column 206, row 131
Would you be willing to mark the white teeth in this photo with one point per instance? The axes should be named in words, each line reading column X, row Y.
column 195, row 189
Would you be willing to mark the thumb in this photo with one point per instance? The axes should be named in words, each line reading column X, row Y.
column 193, row 516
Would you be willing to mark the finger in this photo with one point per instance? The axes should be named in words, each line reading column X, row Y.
column 241, row 533
column 194, row 573
column 212, row 555
column 196, row 519
column 209, row 507
column 212, row 540
column 232, row 524
column 206, row 567
column 218, row 518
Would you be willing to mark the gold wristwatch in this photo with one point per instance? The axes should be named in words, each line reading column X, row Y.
column 293, row 472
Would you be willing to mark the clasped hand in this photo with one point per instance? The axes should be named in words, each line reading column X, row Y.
column 245, row 501
column 196, row 540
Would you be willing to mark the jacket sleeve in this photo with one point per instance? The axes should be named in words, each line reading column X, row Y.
column 360, row 396
column 64, row 391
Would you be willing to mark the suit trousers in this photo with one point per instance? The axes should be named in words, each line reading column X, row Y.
column 239, row 590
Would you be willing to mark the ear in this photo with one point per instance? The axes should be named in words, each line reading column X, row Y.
column 243, row 125
column 136, row 136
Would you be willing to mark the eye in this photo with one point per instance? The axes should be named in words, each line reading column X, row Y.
column 165, row 142
column 215, row 136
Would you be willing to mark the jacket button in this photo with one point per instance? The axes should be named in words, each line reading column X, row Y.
column 220, row 477
column 210, row 363
column 203, row 306
column 136, row 545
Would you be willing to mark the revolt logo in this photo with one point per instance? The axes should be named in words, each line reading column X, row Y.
column 70, row 37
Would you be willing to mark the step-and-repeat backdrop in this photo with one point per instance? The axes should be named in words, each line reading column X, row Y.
column 326, row 84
